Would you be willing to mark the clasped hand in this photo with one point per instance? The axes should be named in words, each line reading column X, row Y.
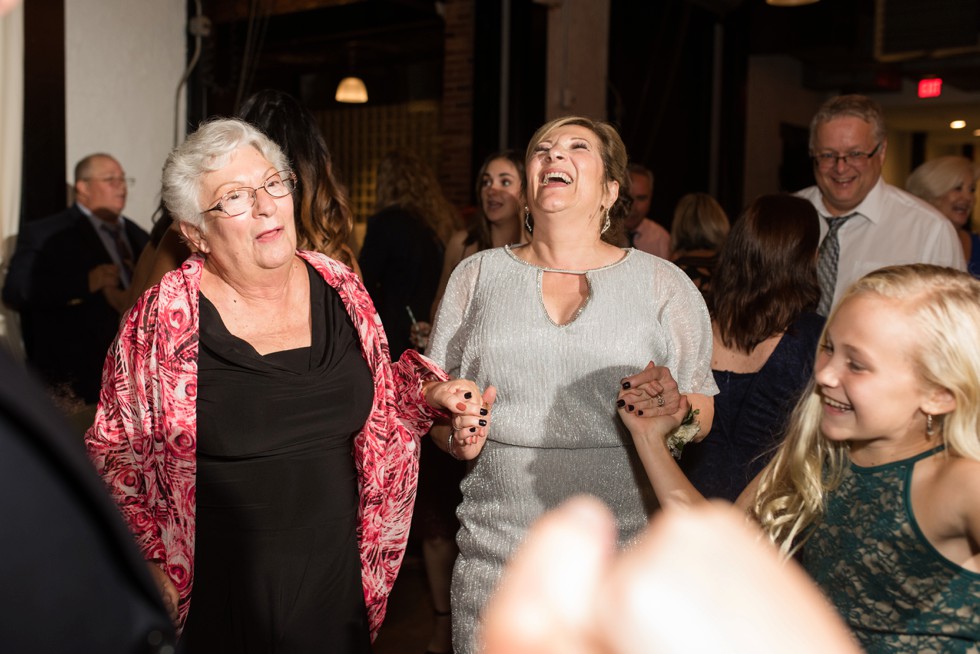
column 649, row 402
column 651, row 392
column 470, row 409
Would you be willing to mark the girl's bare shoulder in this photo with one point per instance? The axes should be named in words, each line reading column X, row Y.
column 955, row 484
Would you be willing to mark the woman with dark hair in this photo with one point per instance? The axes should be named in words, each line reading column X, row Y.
column 500, row 221
column 166, row 248
column 765, row 334
column 405, row 243
column 324, row 219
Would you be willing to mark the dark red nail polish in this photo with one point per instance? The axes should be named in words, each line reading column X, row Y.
column 483, row 423
column 640, row 412
column 483, row 412
column 472, row 429
column 626, row 385
column 629, row 407
column 467, row 395
column 620, row 403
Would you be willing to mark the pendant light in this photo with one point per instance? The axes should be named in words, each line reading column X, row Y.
column 351, row 90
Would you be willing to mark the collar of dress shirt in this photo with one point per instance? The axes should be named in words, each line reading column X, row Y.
column 871, row 207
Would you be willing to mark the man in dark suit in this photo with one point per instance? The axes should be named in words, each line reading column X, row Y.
column 68, row 278
column 73, row 581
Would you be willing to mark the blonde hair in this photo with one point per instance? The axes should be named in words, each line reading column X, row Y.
column 936, row 177
column 406, row 180
column 942, row 305
column 699, row 223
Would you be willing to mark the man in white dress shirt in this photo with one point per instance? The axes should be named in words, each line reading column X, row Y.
column 865, row 223
column 643, row 233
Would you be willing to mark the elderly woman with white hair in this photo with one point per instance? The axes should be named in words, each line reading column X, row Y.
column 950, row 184
column 251, row 426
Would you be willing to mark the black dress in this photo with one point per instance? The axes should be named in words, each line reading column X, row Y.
column 751, row 414
column 276, row 561
column 401, row 261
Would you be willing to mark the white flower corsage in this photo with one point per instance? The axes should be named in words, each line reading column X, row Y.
column 684, row 433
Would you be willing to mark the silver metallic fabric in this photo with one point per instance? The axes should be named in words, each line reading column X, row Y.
column 554, row 430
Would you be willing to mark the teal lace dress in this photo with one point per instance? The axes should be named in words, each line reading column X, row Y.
column 894, row 590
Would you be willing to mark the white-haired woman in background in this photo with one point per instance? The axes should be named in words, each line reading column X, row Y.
column 950, row 185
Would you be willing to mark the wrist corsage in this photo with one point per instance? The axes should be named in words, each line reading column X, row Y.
column 684, row 433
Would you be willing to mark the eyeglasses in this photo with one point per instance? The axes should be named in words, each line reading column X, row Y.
column 113, row 181
column 239, row 200
column 828, row 160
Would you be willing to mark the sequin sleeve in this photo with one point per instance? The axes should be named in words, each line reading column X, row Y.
column 449, row 331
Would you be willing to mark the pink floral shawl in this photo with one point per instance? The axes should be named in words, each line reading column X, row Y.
column 143, row 442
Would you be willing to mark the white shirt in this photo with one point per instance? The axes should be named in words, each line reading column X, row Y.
column 893, row 227
column 653, row 239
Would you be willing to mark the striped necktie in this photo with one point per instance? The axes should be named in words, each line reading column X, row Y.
column 827, row 259
column 123, row 250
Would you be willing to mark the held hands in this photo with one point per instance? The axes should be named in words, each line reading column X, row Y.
column 654, row 428
column 470, row 411
column 653, row 386
column 651, row 392
column 167, row 590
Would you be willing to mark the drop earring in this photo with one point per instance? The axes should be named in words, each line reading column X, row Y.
column 929, row 429
column 528, row 221
column 606, row 223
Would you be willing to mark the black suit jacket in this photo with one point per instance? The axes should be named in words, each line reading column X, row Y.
column 67, row 330
column 72, row 579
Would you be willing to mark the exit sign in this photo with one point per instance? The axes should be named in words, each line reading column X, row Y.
column 931, row 87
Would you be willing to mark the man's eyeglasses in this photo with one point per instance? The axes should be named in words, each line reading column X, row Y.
column 113, row 181
column 237, row 201
column 828, row 160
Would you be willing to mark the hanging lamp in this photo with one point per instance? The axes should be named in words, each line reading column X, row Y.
column 351, row 90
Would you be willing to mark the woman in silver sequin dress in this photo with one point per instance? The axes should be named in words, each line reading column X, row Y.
column 565, row 327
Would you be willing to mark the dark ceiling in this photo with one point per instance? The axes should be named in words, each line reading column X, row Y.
column 834, row 39
column 307, row 46
column 396, row 46
column 870, row 45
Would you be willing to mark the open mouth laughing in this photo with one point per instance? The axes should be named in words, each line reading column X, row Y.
column 555, row 177
column 834, row 404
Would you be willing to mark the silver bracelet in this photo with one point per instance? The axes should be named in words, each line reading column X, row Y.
column 449, row 445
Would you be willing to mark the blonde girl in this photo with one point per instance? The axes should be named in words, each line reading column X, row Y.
column 877, row 483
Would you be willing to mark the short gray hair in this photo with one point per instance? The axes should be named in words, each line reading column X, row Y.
column 207, row 150
column 855, row 106
column 936, row 177
column 84, row 167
